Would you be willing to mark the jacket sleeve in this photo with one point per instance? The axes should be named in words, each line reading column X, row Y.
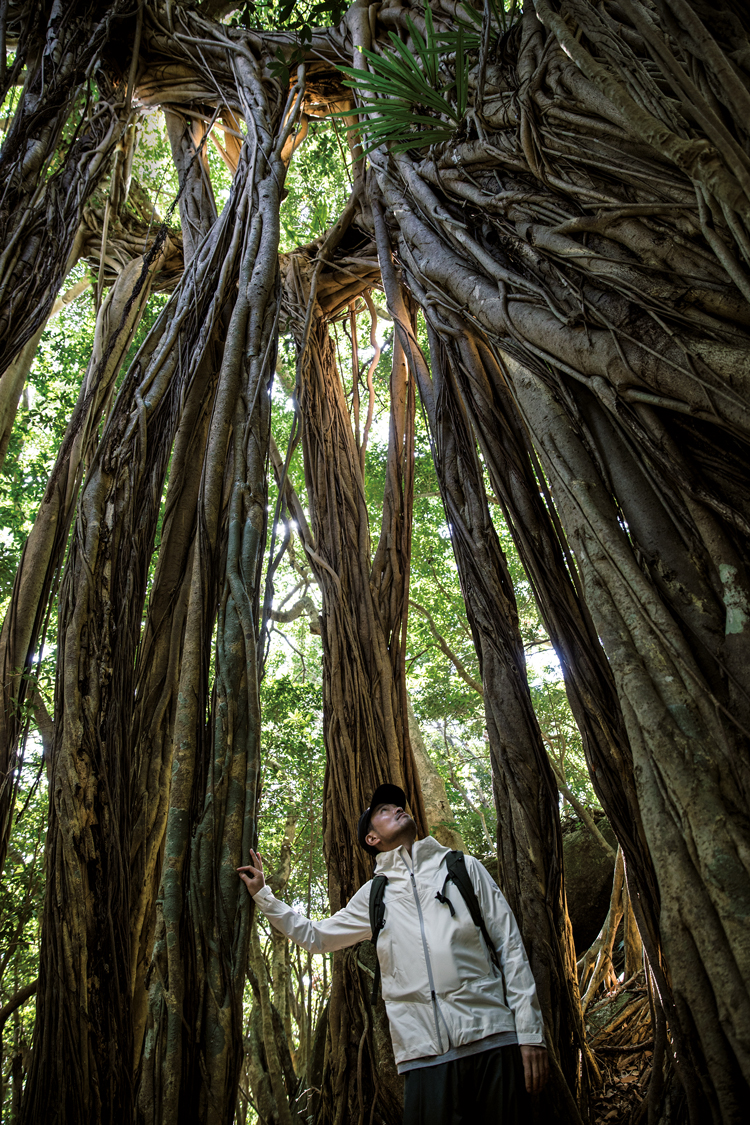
column 346, row 927
column 520, row 988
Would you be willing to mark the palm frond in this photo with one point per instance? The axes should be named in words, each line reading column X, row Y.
column 403, row 88
column 462, row 78
column 502, row 18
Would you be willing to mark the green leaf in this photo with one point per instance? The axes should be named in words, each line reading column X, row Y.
column 401, row 85
column 462, row 77
column 394, row 80
column 473, row 14
column 427, row 54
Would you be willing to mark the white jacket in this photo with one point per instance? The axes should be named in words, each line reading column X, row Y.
column 441, row 989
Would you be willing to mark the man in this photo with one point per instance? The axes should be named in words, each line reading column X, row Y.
column 466, row 1036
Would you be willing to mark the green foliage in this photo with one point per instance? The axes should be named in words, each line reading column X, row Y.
column 22, row 881
column 47, row 403
column 45, row 408
column 289, row 15
column 318, row 184
column 406, row 92
column 21, row 900
column 294, row 768
column 152, row 163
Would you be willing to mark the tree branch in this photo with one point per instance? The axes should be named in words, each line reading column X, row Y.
column 16, row 1001
column 44, row 722
column 293, row 502
column 582, row 812
column 303, row 605
column 446, row 649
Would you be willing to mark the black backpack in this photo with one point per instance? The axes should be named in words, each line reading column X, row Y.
column 457, row 874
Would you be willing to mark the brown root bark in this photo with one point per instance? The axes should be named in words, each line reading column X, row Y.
column 91, row 816
column 202, row 934
column 529, row 840
column 44, row 549
column 618, row 377
column 38, row 224
column 364, row 691
column 160, row 651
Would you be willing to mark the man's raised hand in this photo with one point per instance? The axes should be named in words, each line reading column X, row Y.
column 252, row 875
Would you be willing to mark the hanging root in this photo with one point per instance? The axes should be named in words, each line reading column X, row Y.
column 595, row 967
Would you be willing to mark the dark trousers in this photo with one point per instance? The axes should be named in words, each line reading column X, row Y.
column 483, row 1089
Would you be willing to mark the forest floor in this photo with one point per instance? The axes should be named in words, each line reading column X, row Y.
column 621, row 1036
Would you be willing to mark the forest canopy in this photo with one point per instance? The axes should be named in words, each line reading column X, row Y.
column 373, row 405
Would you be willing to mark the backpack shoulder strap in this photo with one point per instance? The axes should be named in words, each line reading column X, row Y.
column 458, row 874
column 377, row 921
column 377, row 906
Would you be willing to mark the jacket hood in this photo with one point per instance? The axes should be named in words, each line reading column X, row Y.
column 421, row 850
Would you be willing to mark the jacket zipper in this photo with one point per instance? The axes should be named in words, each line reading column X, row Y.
column 427, row 960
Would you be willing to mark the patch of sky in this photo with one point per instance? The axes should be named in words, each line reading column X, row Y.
column 543, row 665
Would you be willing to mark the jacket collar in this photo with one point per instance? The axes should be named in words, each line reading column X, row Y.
column 422, row 850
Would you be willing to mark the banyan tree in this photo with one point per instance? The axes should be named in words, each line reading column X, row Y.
column 552, row 201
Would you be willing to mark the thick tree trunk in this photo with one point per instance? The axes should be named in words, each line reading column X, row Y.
column 160, row 652
column 41, row 212
column 678, row 734
column 157, row 680
column 364, row 691
column 80, row 1071
column 529, row 839
column 614, row 386
column 45, row 547
column 83, row 1008
column 193, row 1044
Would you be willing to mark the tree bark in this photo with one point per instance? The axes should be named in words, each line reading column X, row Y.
column 364, row 692
column 160, row 651
column 609, row 376
column 529, row 840
column 45, row 547
column 84, row 1005
column 40, row 212
column 193, row 1044
column 676, row 734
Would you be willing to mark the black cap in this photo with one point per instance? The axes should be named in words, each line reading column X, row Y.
column 383, row 795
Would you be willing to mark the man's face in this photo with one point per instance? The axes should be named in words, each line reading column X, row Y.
column 390, row 826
